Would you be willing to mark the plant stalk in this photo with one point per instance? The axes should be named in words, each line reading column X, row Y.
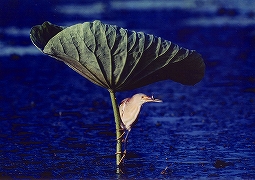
column 118, row 132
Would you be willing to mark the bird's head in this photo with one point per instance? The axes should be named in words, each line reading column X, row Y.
column 142, row 98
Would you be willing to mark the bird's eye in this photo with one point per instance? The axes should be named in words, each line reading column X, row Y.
column 142, row 97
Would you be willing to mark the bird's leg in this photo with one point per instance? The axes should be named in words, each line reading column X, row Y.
column 125, row 145
column 125, row 141
column 122, row 158
column 121, row 135
column 120, row 130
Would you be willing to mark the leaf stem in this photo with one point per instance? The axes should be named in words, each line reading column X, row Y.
column 118, row 132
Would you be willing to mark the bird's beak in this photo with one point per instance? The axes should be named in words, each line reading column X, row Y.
column 151, row 99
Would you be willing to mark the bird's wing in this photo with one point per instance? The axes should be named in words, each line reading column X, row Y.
column 124, row 100
column 122, row 106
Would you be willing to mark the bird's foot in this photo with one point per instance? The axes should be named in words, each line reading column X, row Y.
column 122, row 158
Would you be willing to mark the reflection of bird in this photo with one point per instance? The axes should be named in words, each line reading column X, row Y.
column 129, row 110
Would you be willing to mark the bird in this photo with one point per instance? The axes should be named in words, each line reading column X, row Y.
column 129, row 109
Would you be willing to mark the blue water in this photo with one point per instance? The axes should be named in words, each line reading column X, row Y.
column 57, row 125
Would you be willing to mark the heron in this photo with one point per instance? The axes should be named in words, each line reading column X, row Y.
column 129, row 110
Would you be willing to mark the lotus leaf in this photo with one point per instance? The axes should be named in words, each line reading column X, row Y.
column 116, row 58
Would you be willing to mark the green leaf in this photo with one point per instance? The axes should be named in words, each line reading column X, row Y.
column 116, row 58
column 41, row 34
